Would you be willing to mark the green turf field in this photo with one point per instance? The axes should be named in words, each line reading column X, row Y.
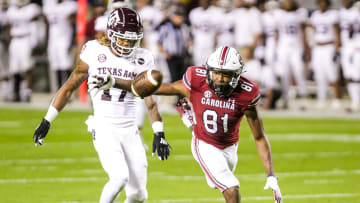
column 316, row 160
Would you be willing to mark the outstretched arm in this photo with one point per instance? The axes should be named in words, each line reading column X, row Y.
column 262, row 143
column 175, row 88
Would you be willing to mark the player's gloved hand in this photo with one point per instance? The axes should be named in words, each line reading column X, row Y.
column 41, row 131
column 271, row 183
column 161, row 146
column 97, row 83
column 186, row 113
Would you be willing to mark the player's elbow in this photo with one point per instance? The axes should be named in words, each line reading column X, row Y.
column 259, row 136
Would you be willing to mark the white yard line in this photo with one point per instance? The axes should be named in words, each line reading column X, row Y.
column 260, row 198
column 49, row 180
column 10, row 124
column 249, row 177
column 282, row 155
column 49, row 161
column 315, row 137
column 176, row 157
column 323, row 181
column 251, row 198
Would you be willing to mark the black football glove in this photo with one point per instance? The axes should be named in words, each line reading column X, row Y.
column 161, row 146
column 41, row 131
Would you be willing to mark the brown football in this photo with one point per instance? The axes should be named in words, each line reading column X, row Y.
column 146, row 83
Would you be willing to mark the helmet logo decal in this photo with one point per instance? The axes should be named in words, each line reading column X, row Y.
column 223, row 55
column 114, row 19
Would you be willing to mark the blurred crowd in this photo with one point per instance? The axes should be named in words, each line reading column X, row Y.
column 290, row 51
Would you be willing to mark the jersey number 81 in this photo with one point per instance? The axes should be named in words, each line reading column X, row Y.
column 210, row 118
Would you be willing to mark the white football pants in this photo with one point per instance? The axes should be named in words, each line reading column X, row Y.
column 217, row 164
column 123, row 158
column 289, row 62
column 325, row 69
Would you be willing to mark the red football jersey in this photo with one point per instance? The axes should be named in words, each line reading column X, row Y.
column 218, row 119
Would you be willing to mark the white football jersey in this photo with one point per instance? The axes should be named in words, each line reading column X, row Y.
column 347, row 19
column 323, row 23
column 19, row 19
column 226, row 29
column 247, row 24
column 58, row 17
column 114, row 106
column 151, row 17
column 289, row 23
column 268, row 22
column 204, row 25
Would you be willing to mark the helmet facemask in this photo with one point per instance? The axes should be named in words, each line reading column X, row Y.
column 222, row 90
column 133, row 42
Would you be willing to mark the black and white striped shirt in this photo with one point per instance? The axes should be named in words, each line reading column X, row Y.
column 173, row 38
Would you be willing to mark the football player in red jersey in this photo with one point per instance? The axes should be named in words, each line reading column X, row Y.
column 220, row 98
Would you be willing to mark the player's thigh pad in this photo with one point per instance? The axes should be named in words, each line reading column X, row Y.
column 217, row 164
column 135, row 157
column 111, row 154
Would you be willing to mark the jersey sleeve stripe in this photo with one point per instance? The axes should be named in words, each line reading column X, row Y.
column 186, row 81
column 255, row 101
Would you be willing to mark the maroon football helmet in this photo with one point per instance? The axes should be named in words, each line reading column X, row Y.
column 125, row 24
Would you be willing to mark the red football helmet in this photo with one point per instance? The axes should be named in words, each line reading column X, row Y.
column 125, row 24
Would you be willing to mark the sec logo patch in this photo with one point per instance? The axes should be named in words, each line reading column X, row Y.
column 141, row 61
column 207, row 94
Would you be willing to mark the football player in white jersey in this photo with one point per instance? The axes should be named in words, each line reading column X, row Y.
column 225, row 35
column 100, row 28
column 204, row 27
column 247, row 24
column 6, row 90
column 325, row 22
column 355, row 72
column 291, row 46
column 348, row 16
column 113, row 126
column 20, row 48
column 60, row 16
column 268, row 23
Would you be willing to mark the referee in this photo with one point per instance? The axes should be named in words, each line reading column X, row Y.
column 173, row 38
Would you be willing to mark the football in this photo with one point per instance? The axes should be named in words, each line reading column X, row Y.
column 146, row 83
